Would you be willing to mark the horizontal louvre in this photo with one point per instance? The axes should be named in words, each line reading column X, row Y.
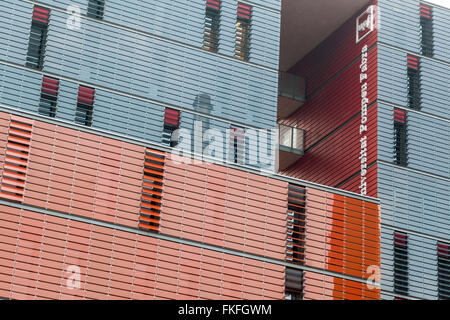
column 414, row 100
column 38, row 38
column 400, row 138
column 171, row 123
column 49, row 97
column 426, row 26
column 242, row 45
column 96, row 9
column 399, row 115
column 212, row 26
column 16, row 159
column 237, row 144
column 425, row 11
column 294, row 284
column 413, row 62
column 443, row 250
column 85, row 106
column 172, row 117
column 401, row 263
column 152, row 189
column 296, row 222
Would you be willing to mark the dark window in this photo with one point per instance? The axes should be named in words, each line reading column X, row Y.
column 237, row 144
column 400, row 138
column 296, row 224
column 38, row 38
column 242, row 46
column 212, row 26
column 85, row 106
column 443, row 271
column 413, row 82
column 96, row 8
column 426, row 26
column 401, row 263
column 49, row 97
column 294, row 283
column 171, row 123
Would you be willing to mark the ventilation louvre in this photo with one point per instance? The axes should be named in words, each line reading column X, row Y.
column 38, row 38
column 212, row 26
column 426, row 26
column 296, row 223
column 49, row 97
column 401, row 263
column 16, row 159
column 443, row 250
column 171, row 123
column 243, row 24
column 85, row 106
column 96, row 9
column 152, row 188
column 400, row 138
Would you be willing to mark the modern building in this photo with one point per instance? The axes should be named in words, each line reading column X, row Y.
column 139, row 158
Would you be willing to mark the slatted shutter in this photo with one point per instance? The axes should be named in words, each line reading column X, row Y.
column 294, row 283
column 152, row 188
column 400, row 137
column 443, row 250
column 237, row 144
column 401, row 263
column 171, row 123
column 85, row 106
column 243, row 26
column 16, row 159
column 296, row 222
column 426, row 26
column 38, row 38
column 49, row 97
column 413, row 64
column 96, row 9
column 212, row 26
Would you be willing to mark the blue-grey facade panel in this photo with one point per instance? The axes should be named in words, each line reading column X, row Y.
column 422, row 265
column 434, row 82
column 428, row 141
column 441, row 36
column 414, row 201
column 400, row 24
column 184, row 21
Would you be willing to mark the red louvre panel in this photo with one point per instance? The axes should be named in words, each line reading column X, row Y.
column 86, row 95
column 425, row 11
column 41, row 14
column 50, row 86
column 213, row 4
column 413, row 62
column 443, row 250
column 400, row 240
column 244, row 11
column 172, row 117
column 399, row 115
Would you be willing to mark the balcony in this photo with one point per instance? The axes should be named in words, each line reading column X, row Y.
column 291, row 94
column 291, row 146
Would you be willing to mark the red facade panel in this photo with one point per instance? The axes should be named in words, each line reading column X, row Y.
column 353, row 184
column 225, row 207
column 37, row 261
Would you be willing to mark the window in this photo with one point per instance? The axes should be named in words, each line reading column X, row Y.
column 443, row 271
column 293, row 284
column 237, row 145
column 400, row 138
column 85, row 106
column 38, row 38
column 49, row 97
column 426, row 27
column 171, row 123
column 401, row 263
column 242, row 45
column 152, row 189
column 212, row 26
column 296, row 217
column 95, row 9
column 413, row 82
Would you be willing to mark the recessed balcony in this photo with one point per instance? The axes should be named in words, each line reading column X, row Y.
column 291, row 146
column 291, row 94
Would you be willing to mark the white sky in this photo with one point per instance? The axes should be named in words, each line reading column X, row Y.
column 444, row 3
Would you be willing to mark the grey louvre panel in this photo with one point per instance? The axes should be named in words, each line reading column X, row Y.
column 95, row 9
column 184, row 21
column 178, row 74
column 441, row 36
column 414, row 200
column 400, row 24
column 422, row 265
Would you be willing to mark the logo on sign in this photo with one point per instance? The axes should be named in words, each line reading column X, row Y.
column 365, row 23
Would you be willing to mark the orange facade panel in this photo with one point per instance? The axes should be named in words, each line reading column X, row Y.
column 46, row 257
column 225, row 207
column 342, row 234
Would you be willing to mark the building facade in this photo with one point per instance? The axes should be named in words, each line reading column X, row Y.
column 376, row 118
column 104, row 106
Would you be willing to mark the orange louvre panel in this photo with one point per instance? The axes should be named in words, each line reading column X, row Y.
column 152, row 186
column 16, row 159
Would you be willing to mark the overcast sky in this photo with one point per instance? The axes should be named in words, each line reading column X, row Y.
column 444, row 3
